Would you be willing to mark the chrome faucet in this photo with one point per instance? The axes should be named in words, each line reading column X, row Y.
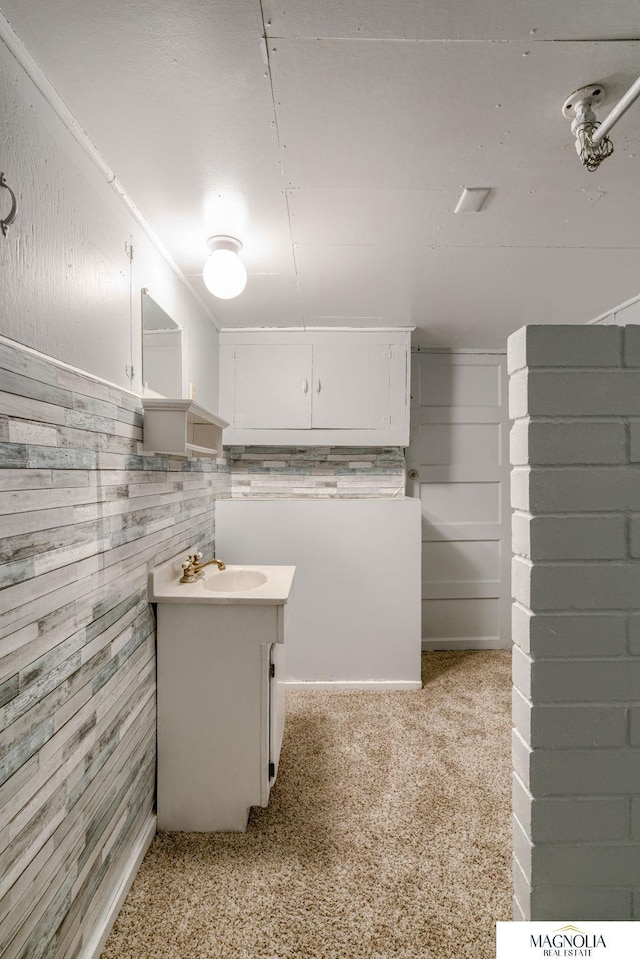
column 192, row 568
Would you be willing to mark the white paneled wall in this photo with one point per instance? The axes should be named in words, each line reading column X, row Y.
column 68, row 288
column 459, row 460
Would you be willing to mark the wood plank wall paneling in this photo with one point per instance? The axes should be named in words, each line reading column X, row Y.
column 83, row 516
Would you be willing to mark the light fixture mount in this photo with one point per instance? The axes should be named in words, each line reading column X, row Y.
column 223, row 242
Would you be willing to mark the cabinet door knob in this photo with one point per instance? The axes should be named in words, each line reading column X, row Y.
column 318, row 385
column 305, row 385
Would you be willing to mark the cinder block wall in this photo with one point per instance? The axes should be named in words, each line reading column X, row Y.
column 575, row 453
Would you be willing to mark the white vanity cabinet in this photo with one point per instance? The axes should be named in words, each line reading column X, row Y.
column 315, row 387
column 220, row 687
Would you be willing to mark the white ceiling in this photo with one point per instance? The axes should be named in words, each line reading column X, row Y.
column 334, row 137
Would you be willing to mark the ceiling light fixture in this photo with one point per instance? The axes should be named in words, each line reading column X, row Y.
column 224, row 273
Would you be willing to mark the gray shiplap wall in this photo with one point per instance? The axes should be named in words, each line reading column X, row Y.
column 83, row 515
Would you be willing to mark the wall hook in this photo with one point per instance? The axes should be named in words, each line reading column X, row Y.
column 8, row 220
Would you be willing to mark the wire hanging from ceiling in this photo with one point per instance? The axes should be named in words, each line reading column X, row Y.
column 592, row 154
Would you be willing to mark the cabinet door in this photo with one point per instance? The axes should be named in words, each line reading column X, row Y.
column 351, row 386
column 272, row 387
column 276, row 703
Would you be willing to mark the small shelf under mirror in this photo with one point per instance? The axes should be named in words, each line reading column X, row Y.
column 181, row 428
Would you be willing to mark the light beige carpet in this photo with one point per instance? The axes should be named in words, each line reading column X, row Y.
column 387, row 835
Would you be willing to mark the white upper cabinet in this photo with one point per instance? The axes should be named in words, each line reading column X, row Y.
column 315, row 387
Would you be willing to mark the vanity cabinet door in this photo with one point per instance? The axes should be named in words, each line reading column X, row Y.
column 276, row 704
column 272, row 386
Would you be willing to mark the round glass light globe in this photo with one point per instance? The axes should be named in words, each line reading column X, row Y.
column 224, row 274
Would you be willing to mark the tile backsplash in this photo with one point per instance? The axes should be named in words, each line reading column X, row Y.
column 83, row 515
column 322, row 472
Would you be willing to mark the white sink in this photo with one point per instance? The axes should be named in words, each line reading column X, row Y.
column 234, row 580
column 240, row 585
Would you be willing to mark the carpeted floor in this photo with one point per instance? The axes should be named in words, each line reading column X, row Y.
column 387, row 835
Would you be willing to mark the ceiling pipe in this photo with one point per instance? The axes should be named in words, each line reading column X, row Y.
column 620, row 108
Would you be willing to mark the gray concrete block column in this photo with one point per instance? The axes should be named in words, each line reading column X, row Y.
column 575, row 452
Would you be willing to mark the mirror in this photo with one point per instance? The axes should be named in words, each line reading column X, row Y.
column 162, row 366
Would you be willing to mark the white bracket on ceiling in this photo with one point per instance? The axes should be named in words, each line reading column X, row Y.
column 578, row 108
column 592, row 143
column 578, row 105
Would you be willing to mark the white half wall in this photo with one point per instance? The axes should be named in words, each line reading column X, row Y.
column 353, row 619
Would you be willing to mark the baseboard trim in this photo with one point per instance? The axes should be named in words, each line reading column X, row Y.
column 345, row 686
column 466, row 642
column 109, row 914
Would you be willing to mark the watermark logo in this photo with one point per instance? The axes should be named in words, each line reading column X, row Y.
column 587, row 940
column 567, row 941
